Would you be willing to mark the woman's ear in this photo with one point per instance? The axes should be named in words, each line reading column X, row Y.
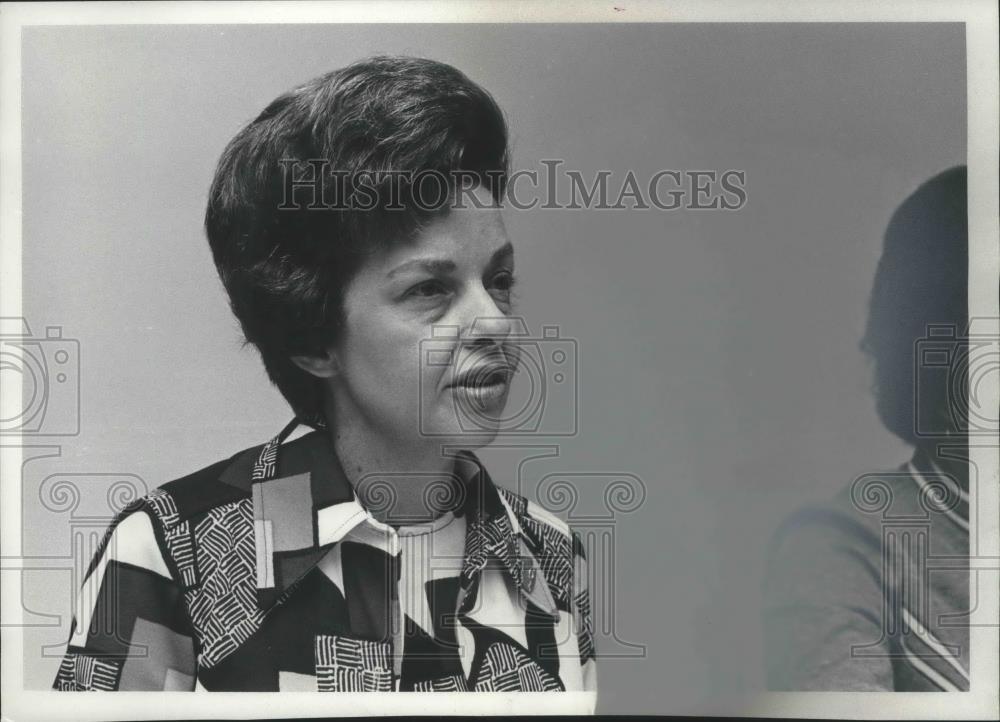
column 324, row 366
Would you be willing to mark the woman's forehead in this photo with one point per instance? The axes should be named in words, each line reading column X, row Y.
column 463, row 236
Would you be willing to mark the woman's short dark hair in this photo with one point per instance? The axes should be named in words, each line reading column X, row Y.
column 286, row 242
column 921, row 280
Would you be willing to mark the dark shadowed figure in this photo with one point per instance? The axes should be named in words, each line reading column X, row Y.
column 870, row 591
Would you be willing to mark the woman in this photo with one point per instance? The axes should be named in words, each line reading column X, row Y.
column 363, row 555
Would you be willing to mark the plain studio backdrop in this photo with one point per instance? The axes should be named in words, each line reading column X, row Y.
column 717, row 351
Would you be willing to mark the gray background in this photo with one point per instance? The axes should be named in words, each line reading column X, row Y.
column 717, row 351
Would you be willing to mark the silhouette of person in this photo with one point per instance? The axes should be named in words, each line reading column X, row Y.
column 850, row 602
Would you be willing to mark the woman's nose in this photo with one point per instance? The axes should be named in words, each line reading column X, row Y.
column 487, row 320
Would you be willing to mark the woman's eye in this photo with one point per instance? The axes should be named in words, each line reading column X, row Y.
column 427, row 289
column 503, row 281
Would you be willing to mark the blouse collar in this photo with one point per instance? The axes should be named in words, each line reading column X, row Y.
column 303, row 505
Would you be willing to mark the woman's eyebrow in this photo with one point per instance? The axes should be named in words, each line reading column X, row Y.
column 507, row 249
column 443, row 266
column 430, row 265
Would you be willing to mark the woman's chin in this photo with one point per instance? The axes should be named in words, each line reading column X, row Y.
column 467, row 435
column 469, row 439
column 469, row 423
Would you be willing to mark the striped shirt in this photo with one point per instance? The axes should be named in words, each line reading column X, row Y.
column 263, row 572
column 871, row 590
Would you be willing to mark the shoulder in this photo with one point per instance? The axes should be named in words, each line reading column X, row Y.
column 218, row 483
column 157, row 532
column 132, row 539
column 840, row 538
column 557, row 548
column 853, row 515
column 215, row 488
column 551, row 532
column 215, row 485
column 562, row 558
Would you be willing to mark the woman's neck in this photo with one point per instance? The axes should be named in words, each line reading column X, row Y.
column 397, row 483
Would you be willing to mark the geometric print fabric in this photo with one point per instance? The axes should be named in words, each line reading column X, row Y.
column 83, row 672
column 508, row 669
column 344, row 664
column 235, row 585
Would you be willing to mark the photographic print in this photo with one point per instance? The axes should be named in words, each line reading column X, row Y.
column 462, row 358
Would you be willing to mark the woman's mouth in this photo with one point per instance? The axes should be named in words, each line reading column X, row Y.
column 483, row 388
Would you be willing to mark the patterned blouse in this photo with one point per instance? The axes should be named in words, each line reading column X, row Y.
column 263, row 572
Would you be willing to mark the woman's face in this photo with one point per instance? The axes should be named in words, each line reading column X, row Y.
column 424, row 352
